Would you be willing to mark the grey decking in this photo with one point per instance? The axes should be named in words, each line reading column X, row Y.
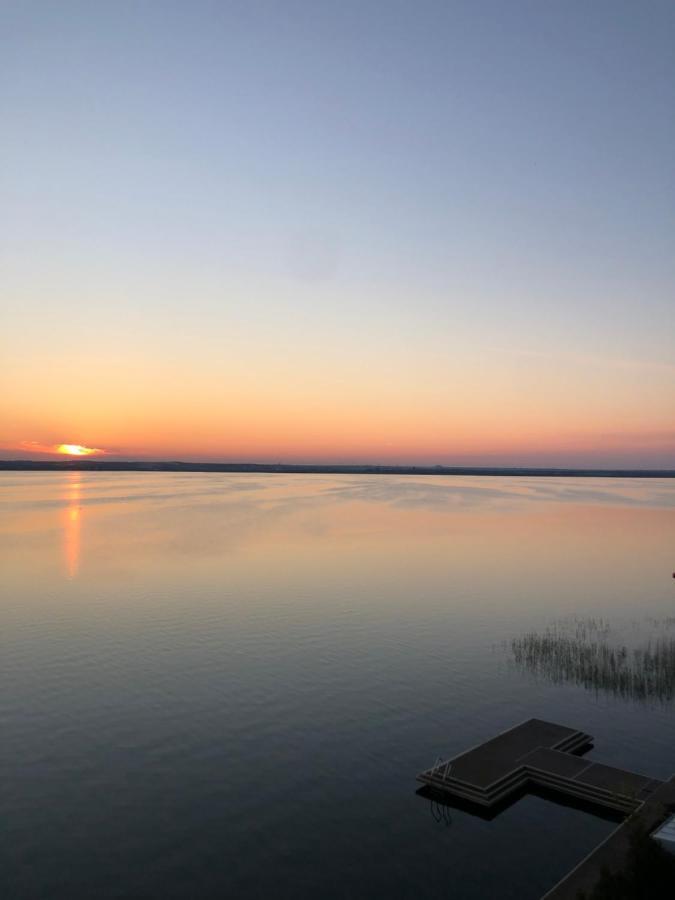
column 542, row 754
column 537, row 753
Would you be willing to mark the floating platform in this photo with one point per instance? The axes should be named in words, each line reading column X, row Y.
column 538, row 754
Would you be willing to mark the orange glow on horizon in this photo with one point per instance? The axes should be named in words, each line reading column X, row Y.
column 437, row 410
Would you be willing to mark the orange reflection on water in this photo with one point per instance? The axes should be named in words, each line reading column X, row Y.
column 71, row 525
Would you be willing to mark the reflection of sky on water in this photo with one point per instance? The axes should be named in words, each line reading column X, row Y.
column 163, row 636
column 472, row 491
column 483, row 531
column 279, row 490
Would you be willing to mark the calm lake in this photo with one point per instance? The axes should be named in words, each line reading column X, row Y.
column 224, row 685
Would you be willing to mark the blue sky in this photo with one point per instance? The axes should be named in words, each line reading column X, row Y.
column 318, row 180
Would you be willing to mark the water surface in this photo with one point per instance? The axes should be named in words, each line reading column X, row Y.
column 219, row 685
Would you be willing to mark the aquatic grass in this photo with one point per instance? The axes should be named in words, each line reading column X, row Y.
column 583, row 654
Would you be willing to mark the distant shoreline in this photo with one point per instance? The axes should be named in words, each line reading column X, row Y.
column 99, row 465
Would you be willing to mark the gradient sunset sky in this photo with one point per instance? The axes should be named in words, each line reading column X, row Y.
column 435, row 232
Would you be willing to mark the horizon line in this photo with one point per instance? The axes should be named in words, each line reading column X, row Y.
column 99, row 464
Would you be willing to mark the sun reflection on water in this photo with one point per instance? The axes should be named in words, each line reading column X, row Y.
column 71, row 525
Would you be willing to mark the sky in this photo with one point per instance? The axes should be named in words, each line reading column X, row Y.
column 406, row 232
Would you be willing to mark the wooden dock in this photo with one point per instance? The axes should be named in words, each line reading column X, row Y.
column 538, row 754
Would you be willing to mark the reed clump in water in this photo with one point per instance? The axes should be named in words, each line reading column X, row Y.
column 584, row 655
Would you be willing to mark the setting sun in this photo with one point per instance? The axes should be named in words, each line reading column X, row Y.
column 77, row 450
